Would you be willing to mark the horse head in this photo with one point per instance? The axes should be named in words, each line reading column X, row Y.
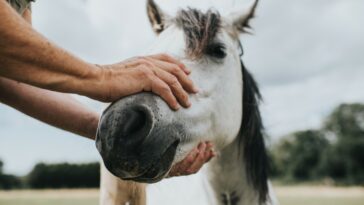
column 140, row 138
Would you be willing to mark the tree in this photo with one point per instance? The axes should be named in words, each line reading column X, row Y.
column 344, row 161
column 298, row 155
column 65, row 176
column 1, row 167
column 8, row 181
column 346, row 122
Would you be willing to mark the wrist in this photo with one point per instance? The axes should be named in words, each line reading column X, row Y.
column 92, row 125
column 89, row 83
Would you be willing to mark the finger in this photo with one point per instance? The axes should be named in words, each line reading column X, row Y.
column 209, row 159
column 171, row 67
column 185, row 81
column 209, row 152
column 160, row 88
column 211, row 155
column 170, row 59
column 175, row 86
column 199, row 161
column 181, row 167
column 209, row 145
column 188, row 161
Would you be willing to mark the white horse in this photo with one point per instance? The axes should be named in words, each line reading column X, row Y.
column 140, row 138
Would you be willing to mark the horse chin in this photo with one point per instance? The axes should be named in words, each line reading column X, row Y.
column 159, row 169
column 150, row 169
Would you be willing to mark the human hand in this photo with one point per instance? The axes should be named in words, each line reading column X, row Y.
column 160, row 74
column 194, row 160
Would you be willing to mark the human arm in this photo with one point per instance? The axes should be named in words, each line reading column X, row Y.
column 57, row 109
column 28, row 57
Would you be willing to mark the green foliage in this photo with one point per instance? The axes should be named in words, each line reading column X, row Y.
column 8, row 181
column 64, row 176
column 1, row 167
column 336, row 151
column 344, row 161
column 346, row 122
column 298, row 155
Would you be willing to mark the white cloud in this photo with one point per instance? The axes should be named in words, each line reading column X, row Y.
column 305, row 104
column 296, row 40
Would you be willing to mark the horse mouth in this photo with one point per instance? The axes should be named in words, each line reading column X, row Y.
column 159, row 168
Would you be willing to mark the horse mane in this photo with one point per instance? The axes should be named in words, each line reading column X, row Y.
column 251, row 138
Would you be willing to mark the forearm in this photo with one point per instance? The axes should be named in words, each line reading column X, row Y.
column 28, row 57
column 57, row 109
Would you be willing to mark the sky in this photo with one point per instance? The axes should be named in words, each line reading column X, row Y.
column 307, row 57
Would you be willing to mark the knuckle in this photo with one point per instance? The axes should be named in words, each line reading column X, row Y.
column 164, row 55
column 147, row 74
column 176, row 70
column 165, row 89
column 174, row 81
column 141, row 58
column 161, row 87
column 144, row 61
column 145, row 70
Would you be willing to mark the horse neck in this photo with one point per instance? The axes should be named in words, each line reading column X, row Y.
column 228, row 178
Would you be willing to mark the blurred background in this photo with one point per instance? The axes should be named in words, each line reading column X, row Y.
column 307, row 57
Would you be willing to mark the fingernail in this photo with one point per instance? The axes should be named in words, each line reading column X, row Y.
column 177, row 107
column 195, row 89
column 203, row 146
column 188, row 104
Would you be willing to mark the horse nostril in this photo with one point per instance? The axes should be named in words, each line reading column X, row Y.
column 134, row 126
column 136, row 121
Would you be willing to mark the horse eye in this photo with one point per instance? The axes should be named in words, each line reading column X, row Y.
column 216, row 51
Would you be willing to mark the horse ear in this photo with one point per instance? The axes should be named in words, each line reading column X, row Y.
column 241, row 20
column 156, row 16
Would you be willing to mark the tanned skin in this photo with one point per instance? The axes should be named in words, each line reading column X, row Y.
column 35, row 76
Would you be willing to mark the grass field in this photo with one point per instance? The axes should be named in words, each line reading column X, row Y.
column 301, row 195
column 307, row 195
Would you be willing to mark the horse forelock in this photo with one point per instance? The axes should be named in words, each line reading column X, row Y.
column 199, row 29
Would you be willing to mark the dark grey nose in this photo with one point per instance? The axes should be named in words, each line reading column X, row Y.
column 133, row 142
column 122, row 131
column 133, row 125
column 137, row 122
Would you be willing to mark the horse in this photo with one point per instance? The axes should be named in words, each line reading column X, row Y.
column 140, row 138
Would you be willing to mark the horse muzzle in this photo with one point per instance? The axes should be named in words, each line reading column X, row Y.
column 134, row 141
